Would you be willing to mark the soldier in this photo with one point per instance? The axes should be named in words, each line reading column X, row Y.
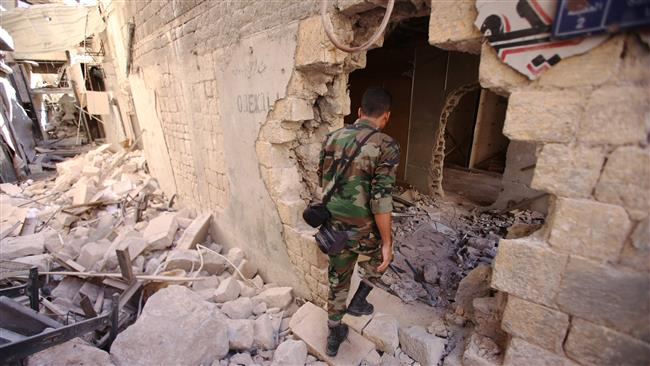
column 361, row 206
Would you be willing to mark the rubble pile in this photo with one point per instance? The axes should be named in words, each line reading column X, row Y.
column 443, row 255
column 63, row 118
column 102, row 227
column 438, row 243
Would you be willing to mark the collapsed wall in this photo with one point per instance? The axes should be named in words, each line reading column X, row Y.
column 234, row 100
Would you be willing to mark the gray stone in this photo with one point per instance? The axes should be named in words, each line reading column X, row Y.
column 260, row 308
column 242, row 359
column 185, row 259
column 383, row 332
column 73, row 352
column 186, row 330
column 276, row 297
column 309, row 324
column 246, row 290
column 290, row 352
column 42, row 261
column 241, row 334
column 265, row 335
column 241, row 308
column 228, row 290
column 236, row 256
column 247, row 269
column 211, row 282
column 589, row 343
column 475, row 284
column 521, row 352
column 481, row 351
column 93, row 252
column 195, row 232
column 160, row 232
column 625, row 181
column 528, row 269
column 22, row 246
column 536, row 324
column 421, row 346
column 607, row 295
column 388, row 360
column 487, row 319
column 213, row 263
column 588, row 228
column 431, row 273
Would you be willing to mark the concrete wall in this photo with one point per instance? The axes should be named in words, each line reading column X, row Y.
column 578, row 289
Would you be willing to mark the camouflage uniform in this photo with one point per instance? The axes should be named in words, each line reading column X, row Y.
column 365, row 190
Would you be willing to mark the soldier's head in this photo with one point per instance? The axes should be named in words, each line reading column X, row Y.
column 375, row 106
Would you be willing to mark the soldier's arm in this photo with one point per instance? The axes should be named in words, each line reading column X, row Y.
column 381, row 199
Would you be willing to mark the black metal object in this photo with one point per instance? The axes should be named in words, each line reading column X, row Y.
column 52, row 332
column 29, row 288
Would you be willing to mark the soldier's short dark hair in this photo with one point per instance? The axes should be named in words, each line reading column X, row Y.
column 375, row 101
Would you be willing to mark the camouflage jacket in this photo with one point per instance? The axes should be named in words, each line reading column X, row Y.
column 366, row 188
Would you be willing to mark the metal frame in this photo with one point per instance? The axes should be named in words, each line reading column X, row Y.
column 28, row 345
column 29, row 289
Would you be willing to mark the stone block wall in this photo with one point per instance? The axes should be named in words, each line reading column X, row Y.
column 575, row 294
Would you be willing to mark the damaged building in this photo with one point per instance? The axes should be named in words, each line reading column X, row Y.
column 521, row 216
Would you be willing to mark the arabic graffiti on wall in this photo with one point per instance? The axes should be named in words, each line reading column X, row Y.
column 520, row 32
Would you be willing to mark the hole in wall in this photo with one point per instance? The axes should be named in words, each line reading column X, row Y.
column 421, row 78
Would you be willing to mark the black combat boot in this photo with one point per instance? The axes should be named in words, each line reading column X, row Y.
column 358, row 305
column 338, row 332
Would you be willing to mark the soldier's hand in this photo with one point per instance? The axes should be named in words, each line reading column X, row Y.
column 386, row 255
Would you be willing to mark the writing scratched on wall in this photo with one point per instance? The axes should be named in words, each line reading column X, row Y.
column 255, row 103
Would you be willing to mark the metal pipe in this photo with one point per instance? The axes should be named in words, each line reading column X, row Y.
column 327, row 24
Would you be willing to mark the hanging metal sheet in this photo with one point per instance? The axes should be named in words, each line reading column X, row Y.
column 51, row 27
column 520, row 31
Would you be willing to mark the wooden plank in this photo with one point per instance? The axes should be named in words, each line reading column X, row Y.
column 129, row 292
column 87, row 307
column 68, row 263
column 124, row 260
column 119, row 275
column 115, row 282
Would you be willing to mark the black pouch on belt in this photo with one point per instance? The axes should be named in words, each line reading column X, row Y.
column 330, row 241
column 316, row 214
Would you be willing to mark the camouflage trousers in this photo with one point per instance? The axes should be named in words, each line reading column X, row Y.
column 341, row 268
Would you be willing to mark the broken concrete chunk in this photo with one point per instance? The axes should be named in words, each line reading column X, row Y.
column 211, row 282
column 73, row 352
column 195, row 233
column 247, row 269
column 265, row 335
column 160, row 232
column 383, row 332
column 475, row 284
column 82, row 192
column 259, row 308
column 244, row 359
column 421, row 346
column 290, row 352
column 185, row 259
column 241, row 308
column 185, row 329
column 431, row 273
column 10, row 189
column 22, row 246
column 309, row 324
column 235, row 256
column 42, row 261
column 246, row 290
column 228, row 290
column 213, row 263
column 92, row 253
column 241, row 333
column 276, row 297
column 68, row 288
column 483, row 351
